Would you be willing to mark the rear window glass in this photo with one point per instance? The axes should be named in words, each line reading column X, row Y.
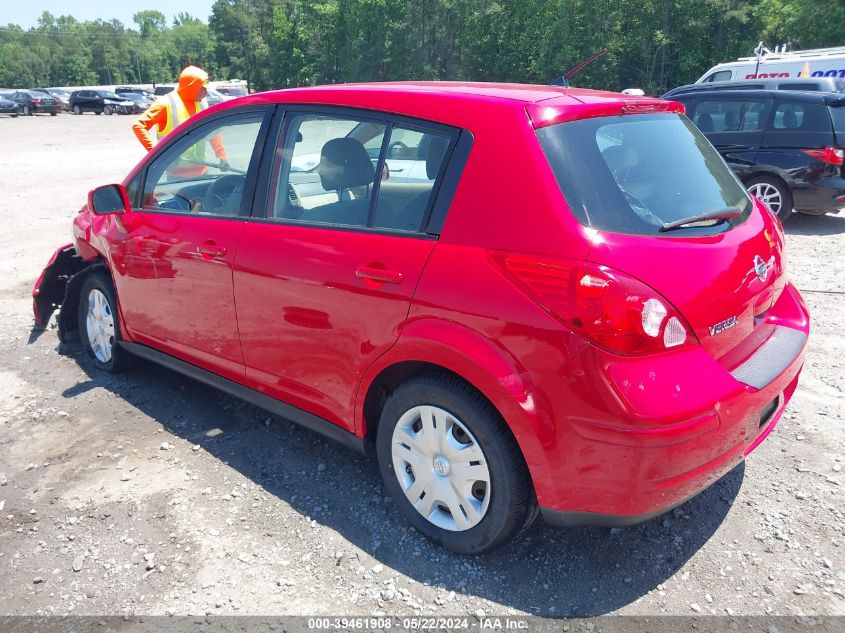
column 803, row 117
column 636, row 173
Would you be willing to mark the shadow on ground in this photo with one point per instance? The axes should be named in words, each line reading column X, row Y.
column 547, row 571
column 800, row 224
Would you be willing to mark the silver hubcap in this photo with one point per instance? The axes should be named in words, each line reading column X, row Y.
column 768, row 195
column 441, row 468
column 99, row 323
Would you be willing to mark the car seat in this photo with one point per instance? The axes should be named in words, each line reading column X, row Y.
column 705, row 123
column 344, row 164
column 411, row 216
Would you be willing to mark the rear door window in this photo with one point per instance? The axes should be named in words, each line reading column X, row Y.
column 357, row 172
column 636, row 173
column 798, row 124
column 729, row 115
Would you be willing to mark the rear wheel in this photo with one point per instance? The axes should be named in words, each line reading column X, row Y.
column 53, row 113
column 772, row 192
column 99, row 327
column 77, row 109
column 451, row 466
column 27, row 111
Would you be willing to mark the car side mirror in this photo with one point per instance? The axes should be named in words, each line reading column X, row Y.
column 109, row 199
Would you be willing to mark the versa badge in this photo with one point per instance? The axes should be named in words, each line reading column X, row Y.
column 720, row 327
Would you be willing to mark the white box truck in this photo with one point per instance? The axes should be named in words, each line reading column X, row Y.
column 820, row 62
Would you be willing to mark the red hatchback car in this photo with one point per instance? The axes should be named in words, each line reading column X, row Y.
column 521, row 298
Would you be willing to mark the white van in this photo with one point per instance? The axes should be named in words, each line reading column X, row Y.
column 820, row 62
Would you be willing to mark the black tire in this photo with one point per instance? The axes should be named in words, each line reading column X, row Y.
column 782, row 191
column 53, row 113
column 119, row 359
column 15, row 116
column 98, row 112
column 27, row 111
column 108, row 110
column 512, row 502
column 77, row 110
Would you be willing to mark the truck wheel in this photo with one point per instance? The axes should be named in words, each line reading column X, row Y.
column 99, row 326
column 452, row 467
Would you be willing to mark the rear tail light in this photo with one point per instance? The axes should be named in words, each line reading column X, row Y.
column 36, row 102
column 608, row 307
column 830, row 155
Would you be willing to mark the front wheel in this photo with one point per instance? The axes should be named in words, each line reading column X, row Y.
column 77, row 110
column 774, row 193
column 452, row 466
column 53, row 113
column 99, row 327
column 108, row 110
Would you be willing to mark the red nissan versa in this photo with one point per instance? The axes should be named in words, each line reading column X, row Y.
column 521, row 298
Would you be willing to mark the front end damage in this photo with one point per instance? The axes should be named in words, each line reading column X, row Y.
column 58, row 287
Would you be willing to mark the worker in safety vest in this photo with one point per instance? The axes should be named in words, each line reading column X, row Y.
column 172, row 109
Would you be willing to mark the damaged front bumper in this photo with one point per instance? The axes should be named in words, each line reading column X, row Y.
column 51, row 289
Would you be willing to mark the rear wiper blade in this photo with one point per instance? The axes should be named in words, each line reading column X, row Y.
column 724, row 214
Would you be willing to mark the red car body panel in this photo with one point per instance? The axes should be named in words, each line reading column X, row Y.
column 282, row 308
column 322, row 300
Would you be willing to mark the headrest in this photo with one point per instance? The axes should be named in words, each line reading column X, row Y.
column 344, row 163
column 434, row 155
column 620, row 158
column 705, row 123
column 790, row 121
column 731, row 120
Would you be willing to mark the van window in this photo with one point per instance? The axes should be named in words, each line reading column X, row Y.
column 805, row 87
column 722, row 75
column 634, row 173
column 806, row 117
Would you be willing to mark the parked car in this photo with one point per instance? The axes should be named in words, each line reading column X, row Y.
column 231, row 91
column 35, row 102
column 578, row 309
column 803, row 84
column 140, row 102
column 9, row 107
column 99, row 102
column 61, row 94
column 786, row 147
column 214, row 97
column 126, row 90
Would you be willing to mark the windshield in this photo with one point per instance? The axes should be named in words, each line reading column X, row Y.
column 637, row 173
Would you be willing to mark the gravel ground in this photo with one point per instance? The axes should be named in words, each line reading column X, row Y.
column 148, row 493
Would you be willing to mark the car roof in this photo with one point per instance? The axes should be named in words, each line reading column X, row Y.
column 827, row 98
column 834, row 84
column 441, row 101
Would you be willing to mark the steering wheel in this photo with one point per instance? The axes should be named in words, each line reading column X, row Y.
column 224, row 194
column 396, row 147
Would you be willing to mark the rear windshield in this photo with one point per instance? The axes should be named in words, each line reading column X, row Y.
column 636, row 173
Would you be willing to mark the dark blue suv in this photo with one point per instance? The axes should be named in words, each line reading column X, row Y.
column 788, row 148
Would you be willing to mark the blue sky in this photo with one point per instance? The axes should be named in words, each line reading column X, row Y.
column 27, row 13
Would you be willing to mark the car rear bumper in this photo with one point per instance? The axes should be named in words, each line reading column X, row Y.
column 823, row 196
column 669, row 427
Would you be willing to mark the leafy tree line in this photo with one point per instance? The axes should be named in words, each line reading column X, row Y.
column 652, row 44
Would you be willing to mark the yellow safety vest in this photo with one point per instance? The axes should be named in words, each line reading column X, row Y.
column 177, row 113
